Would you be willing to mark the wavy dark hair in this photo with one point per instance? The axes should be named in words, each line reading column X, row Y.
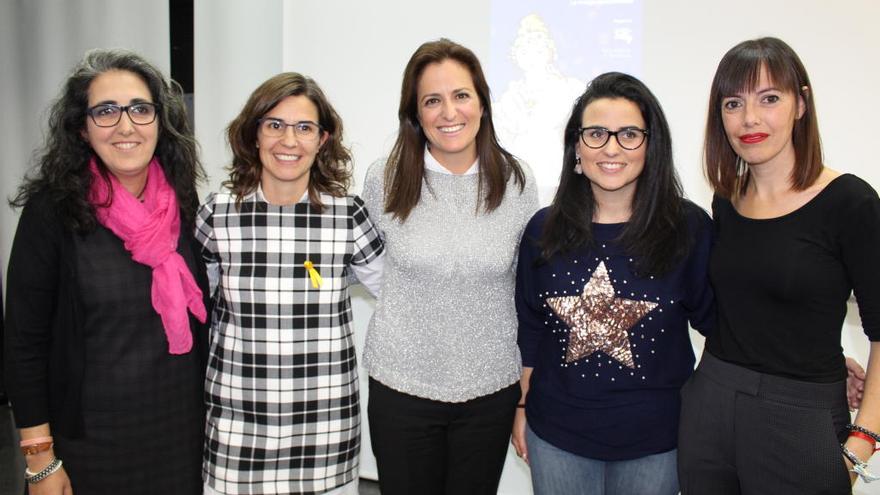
column 656, row 233
column 405, row 170
column 331, row 172
column 62, row 164
column 739, row 71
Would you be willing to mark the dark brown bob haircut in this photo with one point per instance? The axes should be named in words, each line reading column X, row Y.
column 738, row 72
column 331, row 172
column 405, row 170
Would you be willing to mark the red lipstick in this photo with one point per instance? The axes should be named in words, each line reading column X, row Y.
column 753, row 138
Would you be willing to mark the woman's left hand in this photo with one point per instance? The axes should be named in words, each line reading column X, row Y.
column 518, row 436
column 862, row 450
column 855, row 383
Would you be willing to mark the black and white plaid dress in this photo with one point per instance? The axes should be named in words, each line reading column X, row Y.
column 282, row 383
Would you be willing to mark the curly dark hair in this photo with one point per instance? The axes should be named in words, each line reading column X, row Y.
column 62, row 164
column 331, row 172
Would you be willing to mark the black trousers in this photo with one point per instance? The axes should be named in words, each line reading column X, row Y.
column 428, row 447
column 752, row 433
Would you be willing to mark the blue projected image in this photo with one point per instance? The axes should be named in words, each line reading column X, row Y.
column 542, row 56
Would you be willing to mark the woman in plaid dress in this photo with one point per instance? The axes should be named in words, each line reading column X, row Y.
column 282, row 238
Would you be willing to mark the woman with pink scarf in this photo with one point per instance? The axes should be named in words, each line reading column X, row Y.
column 105, row 342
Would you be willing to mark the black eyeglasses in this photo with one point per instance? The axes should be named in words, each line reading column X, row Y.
column 629, row 138
column 305, row 130
column 108, row 114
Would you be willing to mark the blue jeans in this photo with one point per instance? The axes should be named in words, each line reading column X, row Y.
column 556, row 472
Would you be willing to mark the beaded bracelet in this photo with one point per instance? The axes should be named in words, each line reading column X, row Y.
column 859, row 467
column 32, row 478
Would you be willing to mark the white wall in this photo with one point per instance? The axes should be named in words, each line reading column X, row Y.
column 237, row 46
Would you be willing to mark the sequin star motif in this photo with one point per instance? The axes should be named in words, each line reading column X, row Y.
column 598, row 320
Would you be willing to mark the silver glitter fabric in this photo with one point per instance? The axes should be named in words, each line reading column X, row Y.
column 598, row 320
column 445, row 324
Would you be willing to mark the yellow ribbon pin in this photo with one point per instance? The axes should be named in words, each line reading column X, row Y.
column 313, row 274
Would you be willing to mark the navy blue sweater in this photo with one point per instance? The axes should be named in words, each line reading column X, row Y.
column 608, row 389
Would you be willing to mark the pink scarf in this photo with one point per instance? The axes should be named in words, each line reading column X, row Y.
column 150, row 231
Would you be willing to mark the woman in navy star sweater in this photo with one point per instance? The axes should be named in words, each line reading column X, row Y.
column 609, row 276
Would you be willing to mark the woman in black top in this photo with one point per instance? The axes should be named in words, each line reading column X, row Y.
column 766, row 410
column 104, row 347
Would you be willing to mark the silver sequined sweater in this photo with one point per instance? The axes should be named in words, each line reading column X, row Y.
column 445, row 325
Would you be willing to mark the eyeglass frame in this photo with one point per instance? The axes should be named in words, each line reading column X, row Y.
column 288, row 124
column 612, row 133
column 124, row 109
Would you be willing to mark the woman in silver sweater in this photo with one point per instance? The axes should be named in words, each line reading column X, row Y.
column 441, row 350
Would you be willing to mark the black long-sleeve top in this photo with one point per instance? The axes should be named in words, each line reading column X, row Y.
column 44, row 341
column 781, row 284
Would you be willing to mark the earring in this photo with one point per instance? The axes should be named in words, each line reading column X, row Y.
column 577, row 166
column 258, row 145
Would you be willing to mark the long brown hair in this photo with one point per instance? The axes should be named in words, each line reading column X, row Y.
column 405, row 170
column 331, row 172
column 739, row 71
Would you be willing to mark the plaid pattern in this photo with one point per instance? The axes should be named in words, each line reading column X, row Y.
column 282, row 384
